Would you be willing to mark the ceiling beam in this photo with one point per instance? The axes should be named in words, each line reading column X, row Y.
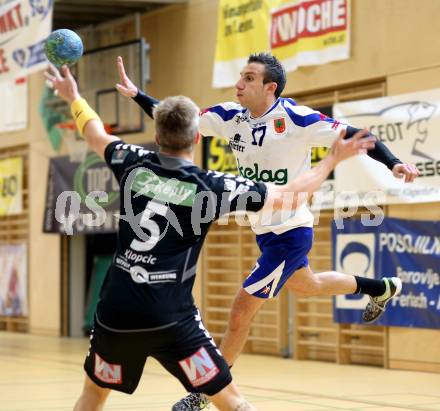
column 83, row 4
column 97, row 11
column 76, row 18
column 145, row 2
column 63, row 8
column 124, row 3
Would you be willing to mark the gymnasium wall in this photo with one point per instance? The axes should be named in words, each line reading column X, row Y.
column 44, row 250
column 386, row 40
column 391, row 40
column 414, row 348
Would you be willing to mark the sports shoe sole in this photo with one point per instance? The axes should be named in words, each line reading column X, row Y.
column 396, row 293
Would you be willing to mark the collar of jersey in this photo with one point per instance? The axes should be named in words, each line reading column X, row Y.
column 267, row 112
column 170, row 162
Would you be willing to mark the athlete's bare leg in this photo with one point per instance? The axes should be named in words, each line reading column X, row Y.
column 243, row 310
column 229, row 399
column 305, row 283
column 92, row 397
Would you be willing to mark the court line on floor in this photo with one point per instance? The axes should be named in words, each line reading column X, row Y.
column 304, row 401
column 340, row 398
column 148, row 372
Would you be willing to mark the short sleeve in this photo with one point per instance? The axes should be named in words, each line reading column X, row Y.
column 214, row 120
column 119, row 156
column 319, row 129
column 235, row 193
column 324, row 131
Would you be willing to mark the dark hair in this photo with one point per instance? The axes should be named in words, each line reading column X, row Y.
column 273, row 70
column 177, row 123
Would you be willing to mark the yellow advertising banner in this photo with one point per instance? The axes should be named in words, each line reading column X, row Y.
column 11, row 185
column 218, row 156
column 298, row 32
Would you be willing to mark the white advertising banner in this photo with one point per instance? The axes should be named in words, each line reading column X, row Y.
column 409, row 125
column 24, row 26
column 14, row 114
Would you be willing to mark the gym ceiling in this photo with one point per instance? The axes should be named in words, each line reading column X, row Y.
column 79, row 13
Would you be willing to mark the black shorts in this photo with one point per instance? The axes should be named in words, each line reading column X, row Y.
column 116, row 359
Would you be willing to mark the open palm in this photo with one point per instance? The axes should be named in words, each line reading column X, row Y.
column 125, row 85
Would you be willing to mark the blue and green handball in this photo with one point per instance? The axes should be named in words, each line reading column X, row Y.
column 63, row 47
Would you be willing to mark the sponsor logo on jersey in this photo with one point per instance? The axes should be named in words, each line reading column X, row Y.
column 266, row 290
column 109, row 373
column 199, row 368
column 235, row 143
column 118, row 156
column 279, row 125
column 241, row 118
column 141, row 276
column 266, row 176
column 140, row 258
column 173, row 191
column 122, row 263
column 335, row 124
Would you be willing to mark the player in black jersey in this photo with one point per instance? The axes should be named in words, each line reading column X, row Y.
column 167, row 205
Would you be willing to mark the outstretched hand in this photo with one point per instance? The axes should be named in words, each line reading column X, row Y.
column 63, row 83
column 125, row 85
column 360, row 143
column 407, row 171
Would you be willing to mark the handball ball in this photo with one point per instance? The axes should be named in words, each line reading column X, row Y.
column 63, row 47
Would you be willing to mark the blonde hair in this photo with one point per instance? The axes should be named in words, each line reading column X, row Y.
column 177, row 123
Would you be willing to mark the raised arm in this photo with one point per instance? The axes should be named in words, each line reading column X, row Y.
column 292, row 195
column 212, row 120
column 88, row 122
column 128, row 89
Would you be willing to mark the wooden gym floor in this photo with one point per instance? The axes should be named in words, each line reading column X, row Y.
column 45, row 373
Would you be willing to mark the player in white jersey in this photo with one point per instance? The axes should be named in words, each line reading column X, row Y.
column 271, row 138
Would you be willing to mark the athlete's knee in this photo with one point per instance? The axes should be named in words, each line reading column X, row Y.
column 238, row 317
column 308, row 286
column 243, row 310
column 316, row 286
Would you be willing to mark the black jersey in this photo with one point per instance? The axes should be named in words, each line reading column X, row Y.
column 167, row 206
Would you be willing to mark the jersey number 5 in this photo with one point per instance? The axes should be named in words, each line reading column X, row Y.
column 146, row 222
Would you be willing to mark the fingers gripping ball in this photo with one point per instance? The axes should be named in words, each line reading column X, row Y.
column 63, row 47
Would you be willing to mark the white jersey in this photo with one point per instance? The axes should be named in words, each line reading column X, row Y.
column 272, row 148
